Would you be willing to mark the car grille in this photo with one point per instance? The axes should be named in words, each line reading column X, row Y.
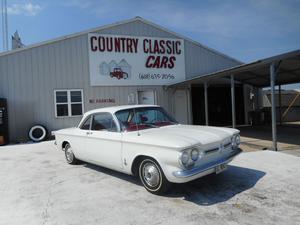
column 209, row 151
column 216, row 149
column 227, row 145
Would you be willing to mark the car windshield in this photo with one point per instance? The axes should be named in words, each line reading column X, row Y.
column 144, row 118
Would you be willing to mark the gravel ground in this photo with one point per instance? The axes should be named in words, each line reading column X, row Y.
column 38, row 187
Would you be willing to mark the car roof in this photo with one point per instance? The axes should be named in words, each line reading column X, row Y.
column 114, row 109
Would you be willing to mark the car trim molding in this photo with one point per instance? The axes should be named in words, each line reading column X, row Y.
column 205, row 167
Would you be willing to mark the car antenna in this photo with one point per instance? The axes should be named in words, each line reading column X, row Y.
column 137, row 127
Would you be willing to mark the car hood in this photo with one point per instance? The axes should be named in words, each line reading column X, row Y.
column 180, row 136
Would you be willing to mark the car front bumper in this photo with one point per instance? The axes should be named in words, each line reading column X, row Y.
column 183, row 176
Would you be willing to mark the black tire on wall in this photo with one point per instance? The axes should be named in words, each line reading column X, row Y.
column 37, row 133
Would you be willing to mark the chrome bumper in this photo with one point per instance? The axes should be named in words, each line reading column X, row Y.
column 205, row 167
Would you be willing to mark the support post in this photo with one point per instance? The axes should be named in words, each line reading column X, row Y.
column 280, row 104
column 232, row 101
column 272, row 83
column 206, row 103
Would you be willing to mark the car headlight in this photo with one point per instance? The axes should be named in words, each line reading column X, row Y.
column 185, row 158
column 235, row 141
column 238, row 139
column 188, row 157
column 194, row 154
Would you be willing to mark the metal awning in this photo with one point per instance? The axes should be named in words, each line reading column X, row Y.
column 268, row 72
column 258, row 73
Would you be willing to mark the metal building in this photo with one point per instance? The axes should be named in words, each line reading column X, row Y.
column 54, row 82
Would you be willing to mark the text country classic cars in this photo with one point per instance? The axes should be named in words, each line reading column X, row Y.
column 162, row 52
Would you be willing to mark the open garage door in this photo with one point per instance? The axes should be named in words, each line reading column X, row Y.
column 219, row 107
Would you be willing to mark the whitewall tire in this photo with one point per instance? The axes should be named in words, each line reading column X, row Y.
column 70, row 157
column 37, row 133
column 152, row 177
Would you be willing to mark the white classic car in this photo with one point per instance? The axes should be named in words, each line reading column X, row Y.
column 145, row 141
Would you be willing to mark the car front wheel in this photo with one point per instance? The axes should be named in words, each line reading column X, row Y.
column 70, row 157
column 152, row 177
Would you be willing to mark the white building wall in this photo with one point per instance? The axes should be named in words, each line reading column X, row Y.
column 29, row 77
column 200, row 60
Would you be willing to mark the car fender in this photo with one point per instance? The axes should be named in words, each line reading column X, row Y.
column 167, row 158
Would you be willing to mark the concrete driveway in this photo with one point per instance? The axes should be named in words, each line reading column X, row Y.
column 38, row 187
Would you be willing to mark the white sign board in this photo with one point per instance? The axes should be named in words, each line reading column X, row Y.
column 117, row 60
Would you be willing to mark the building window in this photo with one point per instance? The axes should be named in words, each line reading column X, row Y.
column 68, row 103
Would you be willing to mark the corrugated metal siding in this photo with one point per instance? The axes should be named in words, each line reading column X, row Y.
column 200, row 60
column 137, row 28
column 28, row 78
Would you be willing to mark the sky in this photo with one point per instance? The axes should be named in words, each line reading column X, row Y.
column 247, row 30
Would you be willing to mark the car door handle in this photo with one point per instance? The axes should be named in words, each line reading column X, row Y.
column 89, row 132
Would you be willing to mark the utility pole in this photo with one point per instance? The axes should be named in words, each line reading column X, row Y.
column 4, row 24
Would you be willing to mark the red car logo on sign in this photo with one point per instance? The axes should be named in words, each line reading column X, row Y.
column 119, row 74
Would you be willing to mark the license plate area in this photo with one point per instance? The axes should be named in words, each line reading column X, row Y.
column 220, row 168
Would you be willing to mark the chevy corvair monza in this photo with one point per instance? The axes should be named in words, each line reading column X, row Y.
column 146, row 141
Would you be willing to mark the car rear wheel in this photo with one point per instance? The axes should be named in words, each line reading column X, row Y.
column 152, row 177
column 70, row 157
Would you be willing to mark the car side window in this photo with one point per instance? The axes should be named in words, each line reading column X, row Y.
column 123, row 117
column 86, row 124
column 104, row 121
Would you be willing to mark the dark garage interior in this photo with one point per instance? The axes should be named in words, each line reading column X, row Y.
column 219, row 106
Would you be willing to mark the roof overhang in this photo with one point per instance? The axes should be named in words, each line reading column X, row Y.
column 257, row 73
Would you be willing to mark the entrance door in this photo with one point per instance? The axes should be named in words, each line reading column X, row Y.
column 181, row 106
column 146, row 97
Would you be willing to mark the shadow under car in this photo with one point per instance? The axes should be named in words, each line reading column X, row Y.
column 207, row 190
column 214, row 188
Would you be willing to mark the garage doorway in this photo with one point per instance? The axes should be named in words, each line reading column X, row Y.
column 219, row 105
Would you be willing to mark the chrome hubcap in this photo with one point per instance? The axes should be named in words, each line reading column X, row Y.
column 151, row 174
column 69, row 155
